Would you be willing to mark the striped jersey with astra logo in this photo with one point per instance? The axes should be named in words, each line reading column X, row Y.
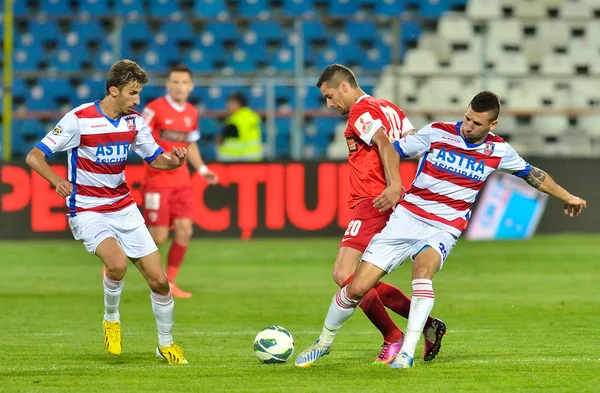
column 451, row 173
column 97, row 149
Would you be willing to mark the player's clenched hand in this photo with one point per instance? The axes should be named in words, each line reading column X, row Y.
column 388, row 198
column 178, row 155
column 574, row 206
column 64, row 188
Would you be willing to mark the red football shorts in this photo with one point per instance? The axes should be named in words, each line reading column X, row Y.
column 366, row 222
column 162, row 205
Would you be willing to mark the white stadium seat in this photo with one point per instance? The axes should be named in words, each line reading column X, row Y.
column 455, row 29
column 484, row 9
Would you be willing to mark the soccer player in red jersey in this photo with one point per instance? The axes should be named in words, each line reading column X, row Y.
column 168, row 196
column 375, row 189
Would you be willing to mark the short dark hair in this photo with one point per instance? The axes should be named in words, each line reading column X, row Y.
column 486, row 101
column 180, row 68
column 123, row 72
column 239, row 98
column 334, row 74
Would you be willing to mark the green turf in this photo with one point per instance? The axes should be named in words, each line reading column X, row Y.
column 522, row 316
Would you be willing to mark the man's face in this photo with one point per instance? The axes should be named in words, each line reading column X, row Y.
column 476, row 125
column 128, row 97
column 180, row 85
column 232, row 106
column 337, row 97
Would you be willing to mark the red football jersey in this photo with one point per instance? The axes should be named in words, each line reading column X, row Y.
column 172, row 125
column 367, row 175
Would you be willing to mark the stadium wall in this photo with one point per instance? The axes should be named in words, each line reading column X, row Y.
column 266, row 199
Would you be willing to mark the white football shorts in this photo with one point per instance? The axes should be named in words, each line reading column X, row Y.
column 127, row 226
column 403, row 237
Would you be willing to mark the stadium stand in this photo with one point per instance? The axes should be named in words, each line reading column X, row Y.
column 540, row 56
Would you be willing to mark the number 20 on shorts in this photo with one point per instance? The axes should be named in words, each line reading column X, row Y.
column 353, row 228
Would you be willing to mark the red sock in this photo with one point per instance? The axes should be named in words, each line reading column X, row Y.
column 377, row 314
column 394, row 299
column 174, row 259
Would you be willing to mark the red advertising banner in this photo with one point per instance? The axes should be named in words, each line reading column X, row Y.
column 262, row 199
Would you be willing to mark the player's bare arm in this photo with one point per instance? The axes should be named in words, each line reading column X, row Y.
column 175, row 160
column 197, row 162
column 539, row 179
column 391, row 164
column 36, row 159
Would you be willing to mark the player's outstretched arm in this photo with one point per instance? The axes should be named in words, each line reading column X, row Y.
column 539, row 179
column 166, row 162
column 391, row 165
column 36, row 159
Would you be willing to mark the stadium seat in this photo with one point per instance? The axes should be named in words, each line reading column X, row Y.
column 505, row 31
column 314, row 30
column 129, row 8
column 87, row 31
column 177, row 31
column 487, row 10
column 455, row 29
column 576, row 10
column 530, row 9
column 164, row 8
column 44, row 30
column 554, row 32
column 94, row 7
column 512, row 64
column 389, row 7
column 433, row 8
column 253, row 8
column 550, row 125
column 344, row 8
column 298, row 7
column 556, row 65
column 20, row 8
column 55, row 7
column 68, row 59
column 267, row 31
column 420, row 62
column 410, row 32
column 210, row 9
column 523, row 99
column 590, row 125
column 136, row 32
column 209, row 126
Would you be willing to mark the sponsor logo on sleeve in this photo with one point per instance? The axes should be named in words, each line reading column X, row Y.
column 365, row 124
column 57, row 130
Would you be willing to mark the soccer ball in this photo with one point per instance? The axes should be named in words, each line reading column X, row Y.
column 273, row 344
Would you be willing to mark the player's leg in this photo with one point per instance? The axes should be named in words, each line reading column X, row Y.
column 99, row 238
column 342, row 307
column 429, row 256
column 345, row 266
column 142, row 251
column 182, row 207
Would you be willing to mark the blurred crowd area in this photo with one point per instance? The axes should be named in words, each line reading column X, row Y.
column 542, row 57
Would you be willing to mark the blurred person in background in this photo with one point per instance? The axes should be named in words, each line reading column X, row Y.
column 168, row 196
column 241, row 138
column 375, row 190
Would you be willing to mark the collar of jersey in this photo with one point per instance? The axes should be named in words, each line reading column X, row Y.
column 469, row 144
column 114, row 122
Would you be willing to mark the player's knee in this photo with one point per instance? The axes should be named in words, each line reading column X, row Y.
column 116, row 269
column 160, row 238
column 159, row 283
column 357, row 290
column 340, row 276
column 424, row 270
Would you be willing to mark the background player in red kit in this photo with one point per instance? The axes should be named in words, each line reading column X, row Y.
column 375, row 189
column 168, row 198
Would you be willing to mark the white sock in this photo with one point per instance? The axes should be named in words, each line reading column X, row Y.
column 341, row 308
column 421, row 305
column 163, row 306
column 112, row 297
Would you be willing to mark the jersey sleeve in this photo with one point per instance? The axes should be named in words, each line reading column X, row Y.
column 513, row 163
column 365, row 123
column 64, row 136
column 144, row 144
column 415, row 144
column 406, row 124
column 194, row 135
column 149, row 115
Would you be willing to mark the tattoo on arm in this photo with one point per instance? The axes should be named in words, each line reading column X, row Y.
column 536, row 177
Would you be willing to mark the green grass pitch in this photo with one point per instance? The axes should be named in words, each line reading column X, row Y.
column 522, row 316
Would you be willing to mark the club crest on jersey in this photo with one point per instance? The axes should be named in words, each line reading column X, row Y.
column 489, row 149
column 57, row 130
column 130, row 123
column 187, row 121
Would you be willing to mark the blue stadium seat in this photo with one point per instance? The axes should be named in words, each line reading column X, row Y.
column 26, row 134
column 223, row 31
column 342, row 8
column 363, row 30
column 389, row 8
column 209, row 126
column 410, row 31
column 313, row 98
column 164, row 8
column 68, row 58
column 136, row 31
column 210, row 9
column 44, row 31
column 314, row 30
column 199, row 60
column 180, row 30
column 283, row 59
column 267, row 30
column 129, row 7
column 257, row 98
column 298, row 7
column 240, row 61
column 89, row 30
column 27, row 58
column 285, row 94
column 55, row 7
column 434, row 8
column 91, row 89
column 20, row 8
column 326, row 125
column 103, row 58
column 252, row 8
column 55, row 88
column 94, row 7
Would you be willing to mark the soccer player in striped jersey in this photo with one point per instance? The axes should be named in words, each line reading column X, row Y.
column 102, row 214
column 375, row 189
column 456, row 159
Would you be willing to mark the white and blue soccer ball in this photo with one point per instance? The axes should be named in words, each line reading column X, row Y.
column 274, row 344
